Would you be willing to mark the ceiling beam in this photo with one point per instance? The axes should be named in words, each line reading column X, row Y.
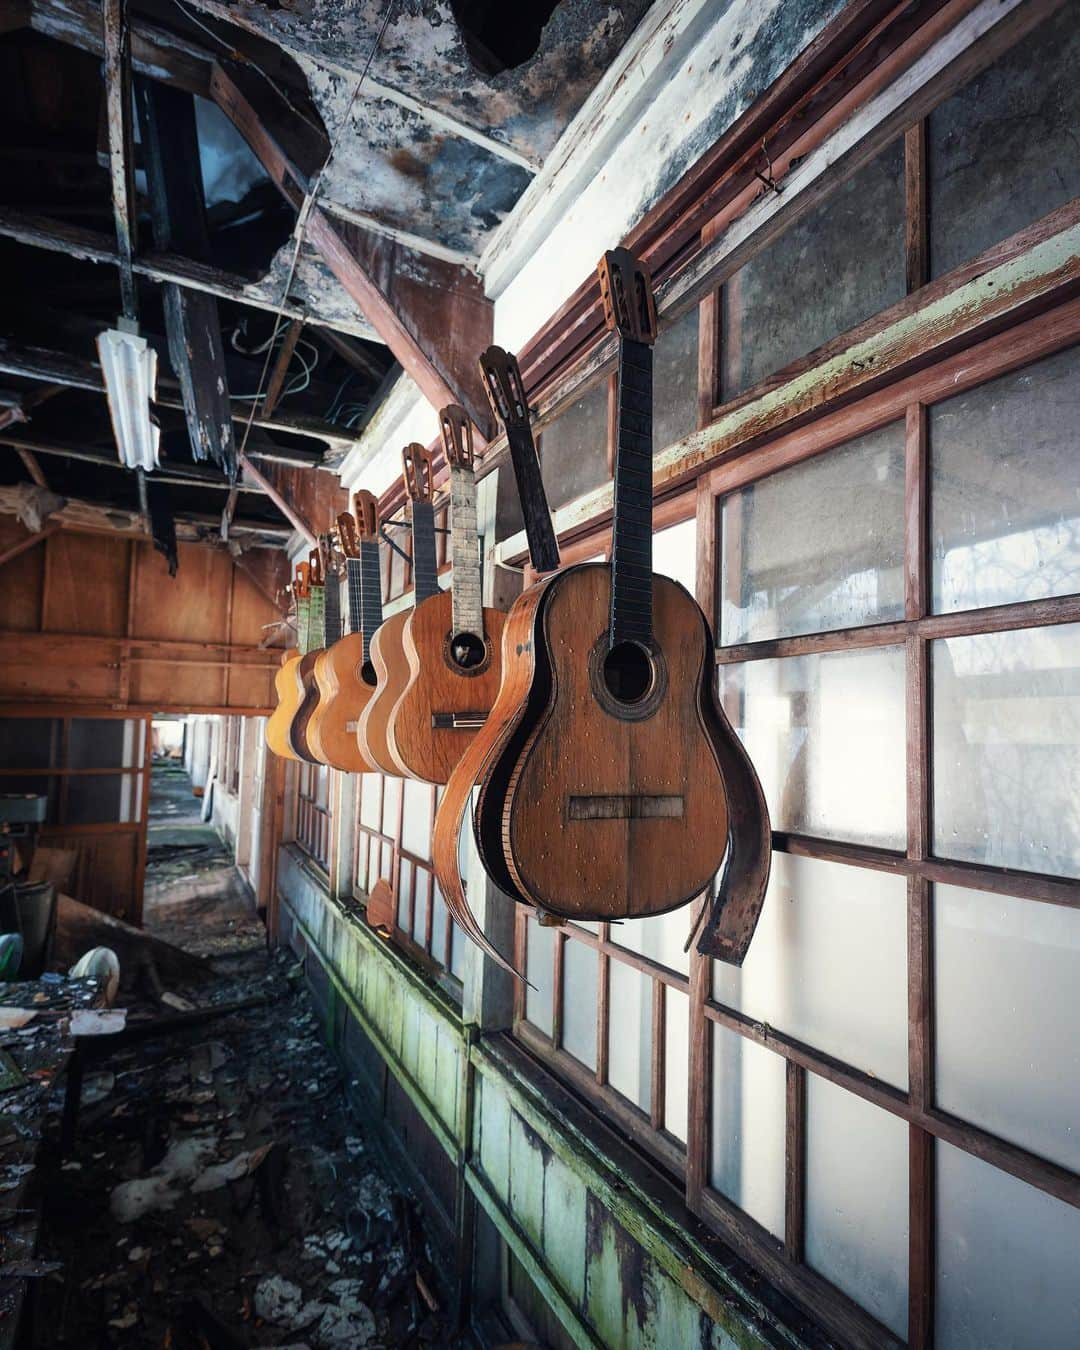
column 116, row 36
column 285, row 507
column 432, row 314
column 24, row 545
column 186, row 475
column 91, row 246
column 276, row 382
column 72, row 372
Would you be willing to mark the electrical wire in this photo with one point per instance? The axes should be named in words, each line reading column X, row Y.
column 306, row 207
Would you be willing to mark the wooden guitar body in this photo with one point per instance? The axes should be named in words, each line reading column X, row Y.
column 307, row 697
column 279, row 721
column 392, row 675
column 444, row 704
column 345, row 688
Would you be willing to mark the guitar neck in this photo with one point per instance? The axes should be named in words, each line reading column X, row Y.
column 332, row 616
column 370, row 591
column 316, row 617
column 466, row 599
column 539, row 531
column 631, row 544
column 303, row 625
column 425, row 566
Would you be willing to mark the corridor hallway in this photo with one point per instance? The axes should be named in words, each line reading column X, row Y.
column 219, row 1192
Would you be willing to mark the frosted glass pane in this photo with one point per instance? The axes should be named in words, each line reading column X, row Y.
column 675, row 381
column 391, row 804
column 370, row 796
column 579, row 1002
column 1007, row 749
column 573, row 448
column 404, row 893
column 459, row 946
column 630, row 1033
column 416, row 822
column 1007, row 1004
column 676, row 1061
column 675, row 553
column 660, row 938
column 438, row 926
column 831, row 938
column 1007, row 1261
column 817, row 546
column 826, row 734
column 857, row 1199
column 420, row 906
column 540, row 968
column 749, row 1103
column 386, row 864
column 1004, row 491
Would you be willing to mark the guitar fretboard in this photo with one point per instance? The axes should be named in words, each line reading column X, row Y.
column 631, row 544
column 466, row 601
column 316, row 616
column 425, row 566
column 332, row 617
column 539, row 531
column 370, row 591
column 303, row 624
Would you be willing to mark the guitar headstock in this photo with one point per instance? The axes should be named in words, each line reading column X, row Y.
column 457, row 436
column 302, row 584
column 366, row 513
column 504, row 386
column 315, row 573
column 328, row 555
column 419, row 472
column 627, row 293
column 346, row 528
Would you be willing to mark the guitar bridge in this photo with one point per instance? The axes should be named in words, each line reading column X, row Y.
column 457, row 721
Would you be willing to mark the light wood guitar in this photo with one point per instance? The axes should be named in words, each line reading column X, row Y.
column 344, row 672
column 279, row 721
column 452, row 641
column 612, row 785
column 387, row 648
column 304, row 671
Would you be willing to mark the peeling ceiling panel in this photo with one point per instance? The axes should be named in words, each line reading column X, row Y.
column 314, row 288
column 411, row 176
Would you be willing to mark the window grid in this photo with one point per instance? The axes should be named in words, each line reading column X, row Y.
column 313, row 813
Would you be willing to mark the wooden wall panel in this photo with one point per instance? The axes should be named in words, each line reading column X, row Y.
column 168, row 683
column 318, row 498
column 193, row 606
column 107, row 867
column 86, row 579
column 39, row 667
column 21, row 579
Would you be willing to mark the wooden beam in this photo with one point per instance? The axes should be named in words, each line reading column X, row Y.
column 178, row 209
column 33, row 468
column 279, row 501
column 16, row 550
column 353, row 354
column 228, row 511
column 281, row 367
column 188, row 475
column 117, row 44
column 161, row 266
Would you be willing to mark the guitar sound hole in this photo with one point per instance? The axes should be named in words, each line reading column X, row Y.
column 628, row 672
column 467, row 650
column 367, row 674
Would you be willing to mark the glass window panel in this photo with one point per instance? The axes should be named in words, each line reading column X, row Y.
column 818, row 546
column 386, row 864
column 749, row 1123
column 1007, row 749
column 373, row 868
column 30, row 742
column 404, row 894
column 675, row 553
column 459, row 946
column 540, row 968
column 391, row 805
column 676, row 1061
column 830, row 938
column 438, row 926
column 579, row 1002
column 1007, row 1005
column 810, row 284
column 370, row 799
column 420, row 905
column 630, row 1033
column 857, row 1199
column 675, row 382
column 1002, row 151
column 660, row 938
column 826, row 735
column 1004, row 491
column 1007, row 1257
column 98, row 799
column 416, row 822
column 98, row 743
column 573, row 449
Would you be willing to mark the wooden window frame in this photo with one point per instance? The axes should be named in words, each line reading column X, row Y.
column 313, row 820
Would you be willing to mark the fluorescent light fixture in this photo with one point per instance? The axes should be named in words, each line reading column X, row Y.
column 130, row 369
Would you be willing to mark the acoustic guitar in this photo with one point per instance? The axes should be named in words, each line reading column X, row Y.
column 344, row 672
column 613, row 786
column 387, row 648
column 279, row 721
column 451, row 641
column 304, row 671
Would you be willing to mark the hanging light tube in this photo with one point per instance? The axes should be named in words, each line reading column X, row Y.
column 129, row 365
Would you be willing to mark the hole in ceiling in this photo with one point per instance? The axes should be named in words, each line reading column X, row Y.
column 499, row 36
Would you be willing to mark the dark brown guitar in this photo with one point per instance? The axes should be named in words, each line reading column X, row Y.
column 308, row 689
column 612, row 786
